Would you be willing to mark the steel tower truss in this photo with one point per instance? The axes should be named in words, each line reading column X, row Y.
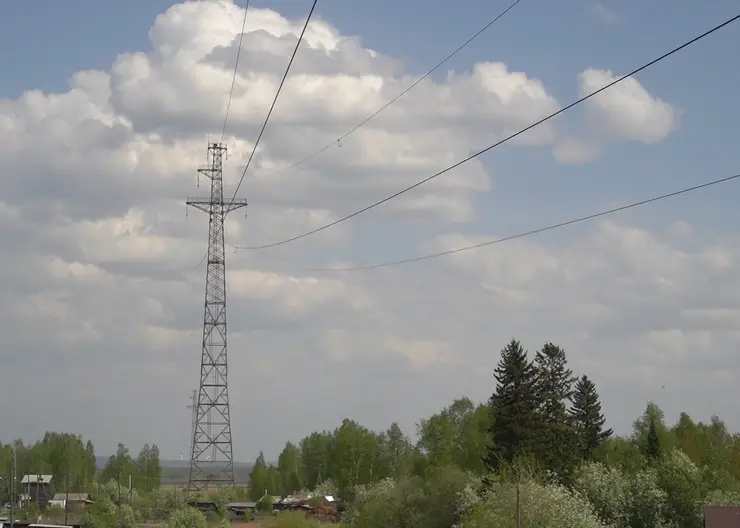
column 211, row 457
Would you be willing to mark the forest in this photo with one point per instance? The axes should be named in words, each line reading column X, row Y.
column 73, row 466
column 538, row 449
column 541, row 436
column 72, row 463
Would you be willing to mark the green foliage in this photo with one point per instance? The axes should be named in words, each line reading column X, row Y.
column 458, row 435
column 223, row 497
column 187, row 518
column 289, row 467
column 147, row 471
column 557, row 443
column 587, row 419
column 163, row 504
column 514, row 404
column 542, row 431
column 103, row 513
column 65, row 456
column 652, row 442
column 54, row 512
column 259, row 479
column 622, row 499
column 431, row 502
column 682, row 482
column 265, row 504
column 31, row 512
column 549, row 505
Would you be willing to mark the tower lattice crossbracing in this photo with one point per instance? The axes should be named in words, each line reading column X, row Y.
column 211, row 457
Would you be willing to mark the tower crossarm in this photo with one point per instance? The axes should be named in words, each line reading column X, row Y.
column 207, row 205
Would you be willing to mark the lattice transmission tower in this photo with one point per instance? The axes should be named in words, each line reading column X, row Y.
column 211, row 457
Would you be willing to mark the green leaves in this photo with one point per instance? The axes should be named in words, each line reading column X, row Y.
column 289, row 467
column 187, row 518
column 456, row 436
column 147, row 470
column 259, row 479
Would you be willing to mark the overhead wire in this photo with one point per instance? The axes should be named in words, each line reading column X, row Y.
column 231, row 94
column 272, row 106
column 397, row 97
column 498, row 143
column 531, row 232
column 236, row 69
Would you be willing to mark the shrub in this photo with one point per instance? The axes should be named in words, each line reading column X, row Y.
column 187, row 518
column 682, row 481
column 264, row 505
column 434, row 502
column 609, row 490
column 541, row 506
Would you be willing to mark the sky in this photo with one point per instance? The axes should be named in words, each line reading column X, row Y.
column 104, row 118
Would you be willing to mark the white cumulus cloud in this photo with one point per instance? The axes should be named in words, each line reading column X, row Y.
column 102, row 293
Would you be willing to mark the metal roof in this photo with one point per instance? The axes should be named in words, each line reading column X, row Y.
column 242, row 505
column 77, row 497
column 36, row 479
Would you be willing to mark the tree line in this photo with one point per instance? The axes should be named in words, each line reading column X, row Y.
column 538, row 408
column 542, row 432
column 72, row 463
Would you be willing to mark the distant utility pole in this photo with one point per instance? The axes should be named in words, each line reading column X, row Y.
column 66, row 498
column 211, row 456
column 12, row 489
column 118, row 483
column 194, row 411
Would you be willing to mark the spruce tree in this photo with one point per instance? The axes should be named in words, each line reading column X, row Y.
column 514, row 405
column 587, row 419
column 652, row 443
column 556, row 448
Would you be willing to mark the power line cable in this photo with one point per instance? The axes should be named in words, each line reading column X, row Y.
column 532, row 232
column 498, row 143
column 277, row 94
column 231, row 92
column 397, row 97
column 236, row 69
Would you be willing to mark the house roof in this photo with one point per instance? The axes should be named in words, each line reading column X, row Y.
column 36, row 479
column 76, row 497
column 246, row 505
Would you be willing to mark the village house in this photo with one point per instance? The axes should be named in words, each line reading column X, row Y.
column 36, row 489
column 71, row 501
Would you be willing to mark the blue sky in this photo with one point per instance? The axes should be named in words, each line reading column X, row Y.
column 47, row 41
column 552, row 41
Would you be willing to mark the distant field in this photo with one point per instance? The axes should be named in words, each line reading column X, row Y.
column 177, row 476
column 175, row 472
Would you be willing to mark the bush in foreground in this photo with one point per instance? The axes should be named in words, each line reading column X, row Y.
column 541, row 506
column 187, row 518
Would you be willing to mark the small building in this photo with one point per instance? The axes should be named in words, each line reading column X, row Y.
column 37, row 488
column 71, row 501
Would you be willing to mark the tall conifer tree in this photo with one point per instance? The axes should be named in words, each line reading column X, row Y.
column 514, row 405
column 587, row 418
